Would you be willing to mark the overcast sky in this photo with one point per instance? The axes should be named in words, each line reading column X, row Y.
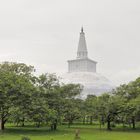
column 45, row 33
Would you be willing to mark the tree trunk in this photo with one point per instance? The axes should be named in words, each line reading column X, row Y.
column 129, row 124
column 103, row 122
column 2, row 122
column 123, row 124
column 51, row 127
column 38, row 125
column 17, row 123
column 84, row 119
column 22, row 124
column 91, row 119
column 108, row 123
column 133, row 123
column 55, row 126
column 69, row 123
column 87, row 119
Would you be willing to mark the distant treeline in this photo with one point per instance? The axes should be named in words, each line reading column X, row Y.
column 43, row 100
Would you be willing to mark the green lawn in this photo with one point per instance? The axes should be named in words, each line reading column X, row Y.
column 63, row 133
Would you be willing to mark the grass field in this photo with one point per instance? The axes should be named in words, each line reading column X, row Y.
column 87, row 132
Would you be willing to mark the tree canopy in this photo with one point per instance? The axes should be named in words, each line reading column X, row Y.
column 44, row 100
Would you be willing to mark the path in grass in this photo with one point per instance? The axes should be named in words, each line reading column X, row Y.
column 64, row 133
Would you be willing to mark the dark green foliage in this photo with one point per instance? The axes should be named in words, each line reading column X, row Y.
column 43, row 100
column 27, row 98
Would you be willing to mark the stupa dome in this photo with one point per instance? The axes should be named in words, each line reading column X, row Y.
column 94, row 83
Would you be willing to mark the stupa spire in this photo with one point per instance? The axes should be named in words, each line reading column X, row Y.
column 82, row 30
column 82, row 47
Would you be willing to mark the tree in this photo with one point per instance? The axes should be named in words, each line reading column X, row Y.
column 109, row 107
column 91, row 107
column 39, row 110
column 130, row 94
column 14, row 86
column 71, row 104
column 72, row 110
column 49, row 87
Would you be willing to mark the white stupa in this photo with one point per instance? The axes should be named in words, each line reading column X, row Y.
column 82, row 70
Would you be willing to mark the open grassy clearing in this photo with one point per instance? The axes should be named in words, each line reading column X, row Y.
column 87, row 132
